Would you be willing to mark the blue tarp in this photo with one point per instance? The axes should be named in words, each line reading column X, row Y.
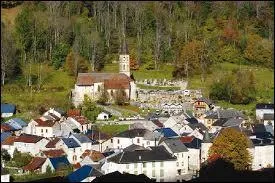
column 167, row 132
column 7, row 108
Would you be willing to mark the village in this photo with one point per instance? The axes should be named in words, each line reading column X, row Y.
column 170, row 143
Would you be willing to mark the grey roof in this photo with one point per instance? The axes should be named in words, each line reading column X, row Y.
column 175, row 145
column 227, row 113
column 220, row 122
column 264, row 106
column 134, row 147
column 158, row 153
column 147, row 134
column 70, row 142
column 82, row 138
column 232, row 122
column 197, row 125
column 268, row 116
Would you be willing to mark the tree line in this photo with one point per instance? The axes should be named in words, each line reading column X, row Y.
column 190, row 35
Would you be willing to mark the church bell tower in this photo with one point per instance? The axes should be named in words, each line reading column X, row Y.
column 124, row 60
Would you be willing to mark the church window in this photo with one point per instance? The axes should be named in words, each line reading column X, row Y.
column 123, row 66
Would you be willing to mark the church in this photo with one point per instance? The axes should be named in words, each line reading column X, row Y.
column 93, row 84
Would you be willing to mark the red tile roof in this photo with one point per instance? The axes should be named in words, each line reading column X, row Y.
column 54, row 153
column 5, row 127
column 9, row 140
column 158, row 123
column 81, row 120
column 52, row 143
column 35, row 164
column 186, row 139
column 26, row 138
column 47, row 123
column 94, row 155
column 73, row 112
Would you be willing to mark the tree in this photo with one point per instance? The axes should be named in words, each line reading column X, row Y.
column 21, row 159
column 232, row 146
column 104, row 98
column 121, row 97
column 89, row 109
column 5, row 155
column 59, row 55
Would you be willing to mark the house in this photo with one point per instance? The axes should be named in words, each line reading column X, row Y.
column 142, row 137
column 32, row 144
column 125, row 177
column 205, row 146
column 84, row 141
column 72, row 148
column 156, row 163
column 7, row 110
column 262, row 109
column 268, row 119
column 225, row 122
column 179, row 150
column 193, row 129
column 167, row 132
column 35, row 165
column 17, row 124
column 97, row 135
column 79, row 122
column 262, row 152
column 147, row 124
column 104, row 115
column 172, row 108
column 52, row 143
column 201, row 105
column 91, row 157
column 92, row 84
column 43, row 127
column 194, row 148
column 86, row 173
column 7, row 144
column 55, row 164
column 210, row 117
column 56, row 113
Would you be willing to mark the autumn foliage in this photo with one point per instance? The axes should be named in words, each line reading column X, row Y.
column 231, row 145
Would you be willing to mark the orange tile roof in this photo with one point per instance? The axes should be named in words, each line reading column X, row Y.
column 94, row 155
column 9, row 140
column 26, row 138
column 47, row 123
column 77, row 166
column 186, row 139
column 81, row 120
column 73, row 112
column 35, row 164
column 52, row 143
column 54, row 153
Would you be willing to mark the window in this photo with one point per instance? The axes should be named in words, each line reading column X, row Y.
column 98, row 88
column 41, row 130
column 144, row 165
column 46, row 130
column 127, row 166
column 136, row 165
column 182, row 163
column 161, row 172
column 161, row 164
column 74, row 157
column 118, row 141
column 177, row 163
column 153, row 173
column 182, row 155
column 148, row 142
column 153, row 164
column 111, row 140
column 74, row 150
column 138, row 140
column 123, row 66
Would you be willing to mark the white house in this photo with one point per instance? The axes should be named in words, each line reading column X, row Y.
column 30, row 144
column 72, row 148
column 262, row 153
column 81, row 123
column 179, row 150
column 8, row 144
column 205, row 146
column 93, row 84
column 43, row 127
column 262, row 109
column 142, row 137
column 156, row 163
column 172, row 108
column 103, row 116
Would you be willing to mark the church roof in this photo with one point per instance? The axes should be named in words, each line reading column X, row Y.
column 112, row 79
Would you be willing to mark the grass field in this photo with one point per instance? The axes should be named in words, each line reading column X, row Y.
column 54, row 92
column 113, row 129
